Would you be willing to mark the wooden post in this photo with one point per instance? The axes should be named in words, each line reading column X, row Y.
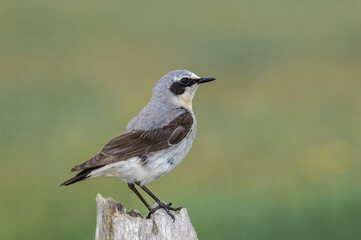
column 114, row 222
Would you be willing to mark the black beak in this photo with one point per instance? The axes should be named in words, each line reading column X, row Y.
column 204, row 80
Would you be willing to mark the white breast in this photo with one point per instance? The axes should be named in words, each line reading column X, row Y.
column 164, row 161
column 156, row 165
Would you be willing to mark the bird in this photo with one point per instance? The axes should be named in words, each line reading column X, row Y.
column 153, row 143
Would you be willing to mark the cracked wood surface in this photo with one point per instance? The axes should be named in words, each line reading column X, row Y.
column 114, row 222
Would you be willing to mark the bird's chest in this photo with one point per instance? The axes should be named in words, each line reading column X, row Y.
column 164, row 161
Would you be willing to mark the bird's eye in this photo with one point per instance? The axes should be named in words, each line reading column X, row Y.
column 184, row 81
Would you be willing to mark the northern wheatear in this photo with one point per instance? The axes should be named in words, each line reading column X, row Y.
column 154, row 142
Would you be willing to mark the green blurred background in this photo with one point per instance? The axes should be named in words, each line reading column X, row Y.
column 277, row 153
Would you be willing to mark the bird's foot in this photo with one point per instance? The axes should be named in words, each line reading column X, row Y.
column 167, row 207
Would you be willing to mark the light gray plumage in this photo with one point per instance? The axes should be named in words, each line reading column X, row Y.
column 164, row 106
column 155, row 141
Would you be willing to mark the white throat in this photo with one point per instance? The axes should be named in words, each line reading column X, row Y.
column 186, row 100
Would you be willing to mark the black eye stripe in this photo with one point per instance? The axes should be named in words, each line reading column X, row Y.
column 187, row 81
column 177, row 88
column 180, row 86
column 184, row 81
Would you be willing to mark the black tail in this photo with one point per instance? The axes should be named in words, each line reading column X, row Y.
column 79, row 177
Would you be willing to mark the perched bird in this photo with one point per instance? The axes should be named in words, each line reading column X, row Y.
column 154, row 142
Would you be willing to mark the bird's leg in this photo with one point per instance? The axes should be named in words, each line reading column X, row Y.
column 166, row 207
column 132, row 187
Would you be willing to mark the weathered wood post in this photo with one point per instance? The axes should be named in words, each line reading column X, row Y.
column 114, row 222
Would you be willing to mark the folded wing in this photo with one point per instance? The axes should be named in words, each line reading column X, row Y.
column 136, row 143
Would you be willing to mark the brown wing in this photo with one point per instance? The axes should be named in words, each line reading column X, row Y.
column 139, row 142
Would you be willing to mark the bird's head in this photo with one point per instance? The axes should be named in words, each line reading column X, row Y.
column 178, row 88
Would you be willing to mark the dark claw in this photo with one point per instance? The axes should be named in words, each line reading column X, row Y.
column 171, row 215
column 166, row 207
column 177, row 208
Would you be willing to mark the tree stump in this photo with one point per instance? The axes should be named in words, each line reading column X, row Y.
column 114, row 222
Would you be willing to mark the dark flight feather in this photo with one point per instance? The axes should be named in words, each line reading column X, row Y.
column 138, row 142
column 80, row 176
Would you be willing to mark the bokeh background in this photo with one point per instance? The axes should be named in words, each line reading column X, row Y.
column 277, row 153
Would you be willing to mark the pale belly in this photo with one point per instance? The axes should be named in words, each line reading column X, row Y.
column 151, row 167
